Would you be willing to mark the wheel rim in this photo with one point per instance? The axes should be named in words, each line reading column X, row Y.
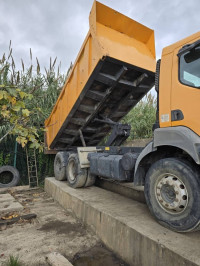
column 72, row 170
column 171, row 193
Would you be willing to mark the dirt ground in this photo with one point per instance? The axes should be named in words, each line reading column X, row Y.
column 54, row 229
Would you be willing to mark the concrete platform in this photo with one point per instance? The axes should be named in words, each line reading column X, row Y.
column 126, row 189
column 126, row 226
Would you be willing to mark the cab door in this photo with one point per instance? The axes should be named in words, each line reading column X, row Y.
column 185, row 89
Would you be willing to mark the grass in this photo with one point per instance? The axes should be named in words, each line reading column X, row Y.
column 13, row 261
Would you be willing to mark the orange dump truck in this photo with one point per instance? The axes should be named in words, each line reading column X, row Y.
column 115, row 68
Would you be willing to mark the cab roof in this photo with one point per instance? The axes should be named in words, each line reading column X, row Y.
column 190, row 39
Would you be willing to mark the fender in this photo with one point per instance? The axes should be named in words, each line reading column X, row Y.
column 180, row 137
column 139, row 172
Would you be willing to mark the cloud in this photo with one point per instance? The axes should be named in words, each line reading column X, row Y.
column 57, row 28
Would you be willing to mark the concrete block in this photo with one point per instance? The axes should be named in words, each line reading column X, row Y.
column 126, row 226
column 56, row 259
column 9, row 204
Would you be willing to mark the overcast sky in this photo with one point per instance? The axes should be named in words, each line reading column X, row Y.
column 58, row 27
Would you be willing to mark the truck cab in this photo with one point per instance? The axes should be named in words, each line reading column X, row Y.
column 169, row 166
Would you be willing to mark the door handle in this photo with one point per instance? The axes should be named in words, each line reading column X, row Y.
column 177, row 115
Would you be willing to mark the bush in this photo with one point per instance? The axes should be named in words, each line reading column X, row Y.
column 141, row 118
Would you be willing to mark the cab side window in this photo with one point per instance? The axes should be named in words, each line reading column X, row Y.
column 189, row 68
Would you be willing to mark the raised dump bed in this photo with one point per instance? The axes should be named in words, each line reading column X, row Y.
column 113, row 71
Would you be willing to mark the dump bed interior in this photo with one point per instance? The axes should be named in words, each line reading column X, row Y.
column 113, row 71
column 112, row 90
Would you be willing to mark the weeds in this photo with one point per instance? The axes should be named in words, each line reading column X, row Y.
column 14, row 261
column 45, row 87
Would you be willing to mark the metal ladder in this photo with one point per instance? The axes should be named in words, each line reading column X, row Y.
column 32, row 167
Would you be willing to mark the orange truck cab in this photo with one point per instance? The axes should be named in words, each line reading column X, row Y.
column 114, row 69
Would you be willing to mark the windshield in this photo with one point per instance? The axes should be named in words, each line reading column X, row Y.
column 190, row 68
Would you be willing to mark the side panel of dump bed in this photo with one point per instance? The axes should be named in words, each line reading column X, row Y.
column 113, row 71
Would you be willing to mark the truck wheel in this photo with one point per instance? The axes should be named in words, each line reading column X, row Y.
column 60, row 163
column 172, row 192
column 9, row 176
column 90, row 179
column 76, row 177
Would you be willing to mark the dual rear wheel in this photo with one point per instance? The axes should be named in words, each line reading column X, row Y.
column 67, row 167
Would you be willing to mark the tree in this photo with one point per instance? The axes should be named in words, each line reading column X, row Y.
column 26, row 98
column 17, row 118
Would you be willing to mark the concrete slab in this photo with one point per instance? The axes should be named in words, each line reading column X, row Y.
column 126, row 189
column 8, row 204
column 126, row 226
column 6, row 197
column 13, row 189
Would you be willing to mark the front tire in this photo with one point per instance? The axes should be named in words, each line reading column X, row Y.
column 172, row 192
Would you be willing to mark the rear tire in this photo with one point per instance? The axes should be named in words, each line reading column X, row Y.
column 9, row 176
column 76, row 177
column 90, row 179
column 60, row 163
column 172, row 192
